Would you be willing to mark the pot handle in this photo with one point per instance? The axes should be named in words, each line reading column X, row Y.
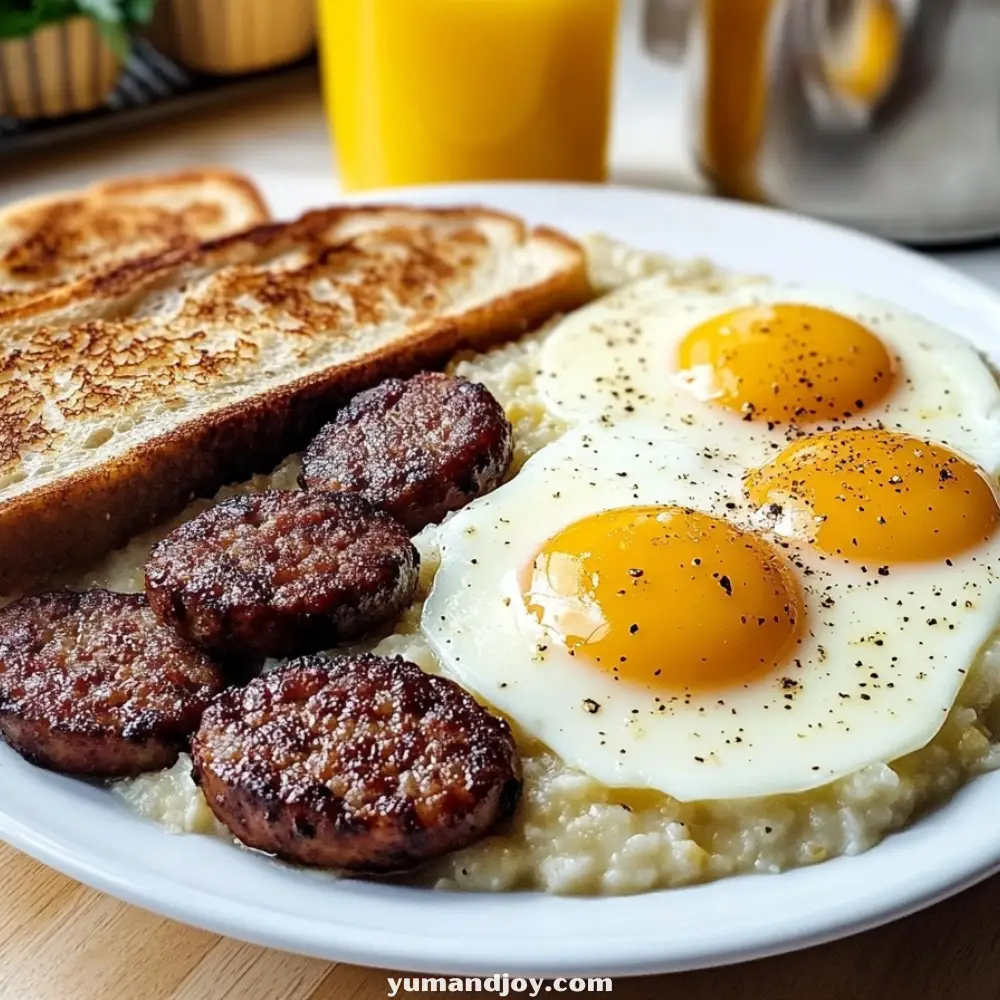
column 665, row 28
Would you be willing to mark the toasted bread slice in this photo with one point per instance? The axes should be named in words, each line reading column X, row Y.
column 171, row 377
column 50, row 242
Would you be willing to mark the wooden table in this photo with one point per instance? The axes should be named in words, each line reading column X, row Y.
column 62, row 941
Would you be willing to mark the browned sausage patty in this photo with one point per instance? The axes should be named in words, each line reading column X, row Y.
column 93, row 684
column 281, row 573
column 362, row 762
column 418, row 448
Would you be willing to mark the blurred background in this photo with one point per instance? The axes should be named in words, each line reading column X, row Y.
column 880, row 114
column 163, row 114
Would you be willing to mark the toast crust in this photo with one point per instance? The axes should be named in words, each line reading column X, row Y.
column 192, row 177
column 83, row 515
column 131, row 186
column 58, row 240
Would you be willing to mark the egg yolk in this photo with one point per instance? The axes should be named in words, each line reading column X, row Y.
column 667, row 597
column 786, row 363
column 878, row 496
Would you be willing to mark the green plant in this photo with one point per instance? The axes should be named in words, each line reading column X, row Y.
column 115, row 18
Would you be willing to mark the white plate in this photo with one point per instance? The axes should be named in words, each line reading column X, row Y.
column 89, row 834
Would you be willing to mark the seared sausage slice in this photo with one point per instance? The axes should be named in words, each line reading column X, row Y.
column 282, row 573
column 417, row 449
column 92, row 684
column 361, row 762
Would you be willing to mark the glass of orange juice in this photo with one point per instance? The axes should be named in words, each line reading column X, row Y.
column 420, row 91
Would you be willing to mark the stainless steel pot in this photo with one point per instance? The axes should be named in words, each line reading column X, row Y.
column 881, row 114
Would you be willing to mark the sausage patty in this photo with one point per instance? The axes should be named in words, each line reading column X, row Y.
column 281, row 573
column 93, row 684
column 418, row 448
column 362, row 762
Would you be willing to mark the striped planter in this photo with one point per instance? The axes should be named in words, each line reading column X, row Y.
column 61, row 69
column 234, row 36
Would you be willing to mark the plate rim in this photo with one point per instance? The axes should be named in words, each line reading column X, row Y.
column 419, row 952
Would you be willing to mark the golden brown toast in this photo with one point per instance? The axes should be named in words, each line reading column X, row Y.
column 49, row 242
column 170, row 377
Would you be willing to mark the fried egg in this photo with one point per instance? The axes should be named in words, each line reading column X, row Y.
column 748, row 370
column 662, row 620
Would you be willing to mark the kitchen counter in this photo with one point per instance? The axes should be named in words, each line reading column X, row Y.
column 60, row 940
column 285, row 132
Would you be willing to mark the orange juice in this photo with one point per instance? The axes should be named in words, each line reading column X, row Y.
column 448, row 90
column 736, row 37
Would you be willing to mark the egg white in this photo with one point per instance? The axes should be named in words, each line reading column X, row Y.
column 616, row 360
column 873, row 678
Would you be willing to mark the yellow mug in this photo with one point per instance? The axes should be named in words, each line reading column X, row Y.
column 422, row 91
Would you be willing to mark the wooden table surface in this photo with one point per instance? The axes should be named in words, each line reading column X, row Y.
column 62, row 941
